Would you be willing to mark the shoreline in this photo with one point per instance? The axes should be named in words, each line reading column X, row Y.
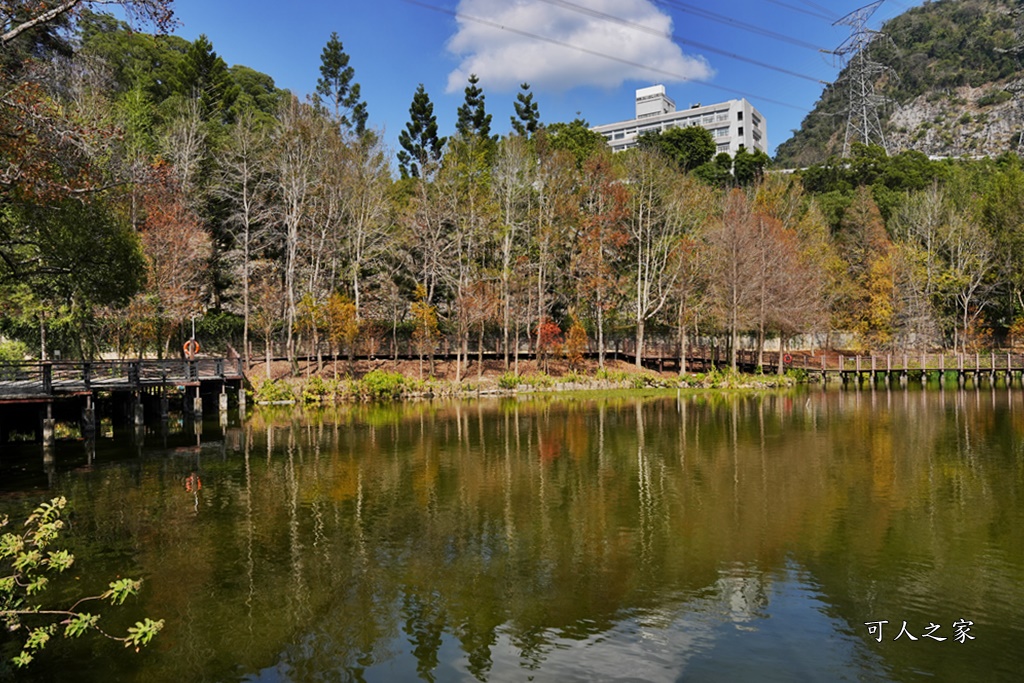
column 387, row 380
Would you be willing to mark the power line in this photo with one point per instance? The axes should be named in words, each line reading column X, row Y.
column 679, row 39
column 596, row 53
column 829, row 13
column 803, row 10
column 729, row 21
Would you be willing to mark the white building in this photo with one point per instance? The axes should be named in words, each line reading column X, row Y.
column 731, row 123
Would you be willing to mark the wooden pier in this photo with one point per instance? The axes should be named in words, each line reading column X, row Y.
column 35, row 395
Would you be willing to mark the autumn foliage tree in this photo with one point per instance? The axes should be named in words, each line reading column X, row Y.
column 177, row 251
column 342, row 327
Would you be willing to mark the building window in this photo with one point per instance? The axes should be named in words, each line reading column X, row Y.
column 739, row 131
column 739, row 116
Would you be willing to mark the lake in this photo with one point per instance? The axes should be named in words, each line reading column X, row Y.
column 815, row 535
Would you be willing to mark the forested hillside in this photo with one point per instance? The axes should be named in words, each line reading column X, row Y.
column 146, row 182
column 950, row 69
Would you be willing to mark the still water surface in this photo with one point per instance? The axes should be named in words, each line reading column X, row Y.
column 699, row 537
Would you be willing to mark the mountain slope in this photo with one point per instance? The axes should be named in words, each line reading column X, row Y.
column 951, row 67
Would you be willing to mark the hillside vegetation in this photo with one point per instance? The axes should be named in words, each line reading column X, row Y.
column 951, row 65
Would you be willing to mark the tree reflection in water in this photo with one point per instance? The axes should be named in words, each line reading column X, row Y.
column 651, row 537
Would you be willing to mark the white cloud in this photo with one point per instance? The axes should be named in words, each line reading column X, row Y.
column 503, row 58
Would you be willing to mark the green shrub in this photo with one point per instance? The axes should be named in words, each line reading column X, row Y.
column 273, row 391
column 607, row 375
column 315, row 390
column 573, row 377
column 509, row 381
column 798, row 374
column 379, row 385
column 12, row 351
column 539, row 380
column 994, row 97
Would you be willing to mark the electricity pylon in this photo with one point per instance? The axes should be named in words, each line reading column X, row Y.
column 862, row 121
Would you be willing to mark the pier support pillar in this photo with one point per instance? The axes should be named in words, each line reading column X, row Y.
column 49, row 432
column 241, row 399
column 222, row 401
column 164, row 407
column 138, row 411
column 88, row 417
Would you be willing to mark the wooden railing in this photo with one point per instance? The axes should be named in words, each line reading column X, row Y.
column 49, row 378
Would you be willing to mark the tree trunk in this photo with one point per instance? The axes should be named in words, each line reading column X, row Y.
column 639, row 342
column 480, row 355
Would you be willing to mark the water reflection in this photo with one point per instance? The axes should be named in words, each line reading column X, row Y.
column 691, row 535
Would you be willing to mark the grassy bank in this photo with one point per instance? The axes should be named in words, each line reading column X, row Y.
column 384, row 380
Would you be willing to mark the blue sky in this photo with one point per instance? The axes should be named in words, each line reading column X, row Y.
column 395, row 45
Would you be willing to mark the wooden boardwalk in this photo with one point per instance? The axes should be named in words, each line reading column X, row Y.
column 20, row 382
column 827, row 366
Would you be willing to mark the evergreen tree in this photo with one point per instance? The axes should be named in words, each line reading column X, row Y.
column 473, row 117
column 576, row 138
column 419, row 140
column 687, row 148
column 527, row 118
column 336, row 85
column 204, row 75
column 748, row 167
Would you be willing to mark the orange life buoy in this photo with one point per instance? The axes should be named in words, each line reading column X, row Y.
column 191, row 348
column 788, row 359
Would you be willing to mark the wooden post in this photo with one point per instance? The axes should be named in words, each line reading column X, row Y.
column 138, row 410
column 49, row 426
column 88, row 417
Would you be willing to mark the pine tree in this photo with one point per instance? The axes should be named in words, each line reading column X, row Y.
column 419, row 139
column 335, row 84
column 473, row 117
column 527, row 118
column 204, row 75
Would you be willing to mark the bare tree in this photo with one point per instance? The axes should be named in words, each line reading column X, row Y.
column 664, row 207
column 294, row 167
column 970, row 254
column 245, row 185
column 19, row 16
column 734, row 266
column 512, row 186
column 366, row 209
